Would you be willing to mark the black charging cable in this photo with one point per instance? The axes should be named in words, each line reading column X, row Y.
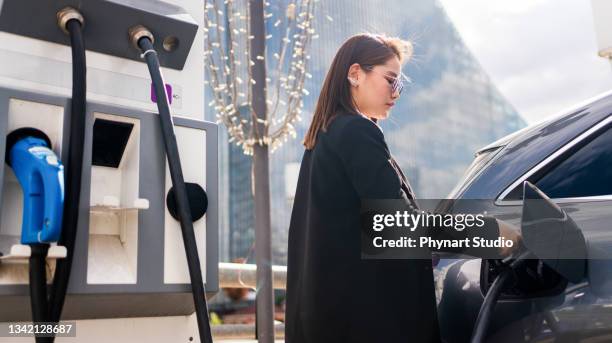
column 145, row 44
column 71, row 22
column 488, row 305
column 38, row 288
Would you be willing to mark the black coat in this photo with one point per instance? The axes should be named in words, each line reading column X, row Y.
column 332, row 294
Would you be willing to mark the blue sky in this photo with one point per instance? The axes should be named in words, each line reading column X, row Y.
column 541, row 54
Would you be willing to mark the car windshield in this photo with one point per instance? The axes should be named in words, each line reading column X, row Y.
column 482, row 158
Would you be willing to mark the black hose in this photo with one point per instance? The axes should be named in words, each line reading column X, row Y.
column 38, row 287
column 74, row 168
column 180, row 191
column 488, row 305
column 486, row 309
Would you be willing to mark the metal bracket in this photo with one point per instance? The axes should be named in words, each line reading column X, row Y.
column 108, row 24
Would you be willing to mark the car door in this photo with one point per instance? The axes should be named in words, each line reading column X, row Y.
column 578, row 177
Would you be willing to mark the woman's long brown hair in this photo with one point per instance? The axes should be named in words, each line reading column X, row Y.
column 367, row 50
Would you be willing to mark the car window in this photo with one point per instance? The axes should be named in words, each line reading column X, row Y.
column 587, row 172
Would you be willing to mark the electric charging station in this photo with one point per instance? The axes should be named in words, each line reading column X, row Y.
column 129, row 278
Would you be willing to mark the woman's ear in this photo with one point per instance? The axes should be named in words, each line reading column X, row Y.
column 353, row 74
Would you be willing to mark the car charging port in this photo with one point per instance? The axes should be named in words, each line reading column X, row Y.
column 532, row 279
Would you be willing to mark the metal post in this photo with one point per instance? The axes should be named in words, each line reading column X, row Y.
column 261, row 180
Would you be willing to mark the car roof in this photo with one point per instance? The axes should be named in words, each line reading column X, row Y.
column 522, row 150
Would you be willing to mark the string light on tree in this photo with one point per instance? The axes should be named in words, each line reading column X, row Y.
column 227, row 51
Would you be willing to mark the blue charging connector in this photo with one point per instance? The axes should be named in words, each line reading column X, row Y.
column 41, row 175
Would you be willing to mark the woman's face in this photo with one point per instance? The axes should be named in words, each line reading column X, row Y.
column 373, row 91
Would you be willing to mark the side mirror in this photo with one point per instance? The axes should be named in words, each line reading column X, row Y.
column 557, row 247
column 551, row 235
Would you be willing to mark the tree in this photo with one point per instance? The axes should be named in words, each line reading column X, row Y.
column 239, row 54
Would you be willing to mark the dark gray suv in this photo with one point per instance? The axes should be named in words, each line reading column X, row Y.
column 569, row 158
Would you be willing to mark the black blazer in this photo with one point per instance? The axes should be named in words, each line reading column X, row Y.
column 332, row 294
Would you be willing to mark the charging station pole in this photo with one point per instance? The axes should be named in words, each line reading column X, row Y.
column 261, row 180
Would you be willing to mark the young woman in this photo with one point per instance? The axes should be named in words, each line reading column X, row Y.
column 332, row 294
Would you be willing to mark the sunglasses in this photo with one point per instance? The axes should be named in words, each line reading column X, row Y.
column 396, row 83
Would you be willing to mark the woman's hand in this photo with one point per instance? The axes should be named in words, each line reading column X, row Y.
column 509, row 232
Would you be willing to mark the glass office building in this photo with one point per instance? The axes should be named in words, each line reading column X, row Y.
column 450, row 109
